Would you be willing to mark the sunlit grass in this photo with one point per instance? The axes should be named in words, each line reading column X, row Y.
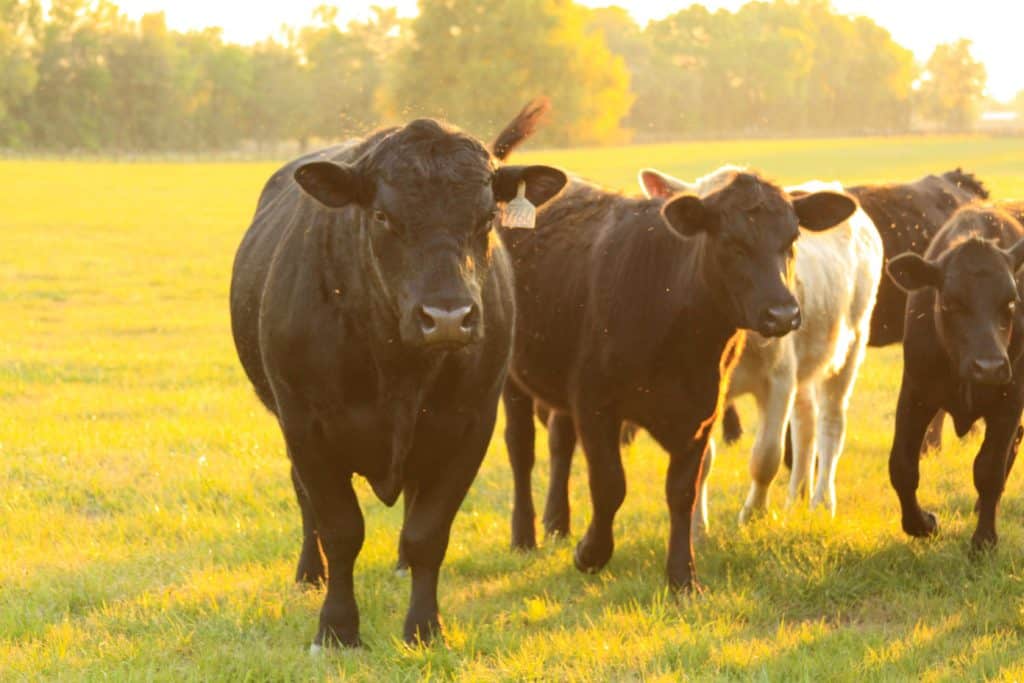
column 148, row 528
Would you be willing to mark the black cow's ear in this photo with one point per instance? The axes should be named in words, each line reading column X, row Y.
column 657, row 184
column 910, row 271
column 823, row 210
column 687, row 216
column 333, row 185
column 543, row 183
column 1015, row 255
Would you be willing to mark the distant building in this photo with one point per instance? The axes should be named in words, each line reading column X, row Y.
column 1000, row 123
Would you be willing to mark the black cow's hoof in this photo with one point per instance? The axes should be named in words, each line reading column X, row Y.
column 523, row 538
column 982, row 545
column 926, row 525
column 309, row 581
column 421, row 632
column 686, row 588
column 589, row 561
column 330, row 638
column 556, row 526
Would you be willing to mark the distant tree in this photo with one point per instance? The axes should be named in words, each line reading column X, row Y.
column 280, row 104
column 220, row 79
column 952, row 86
column 781, row 66
column 475, row 62
column 20, row 24
column 346, row 70
column 1018, row 104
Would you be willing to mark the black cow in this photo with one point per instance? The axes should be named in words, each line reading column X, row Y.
column 372, row 309
column 907, row 216
column 962, row 353
column 621, row 319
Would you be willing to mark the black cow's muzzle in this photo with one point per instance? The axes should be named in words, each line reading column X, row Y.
column 779, row 320
column 452, row 327
column 991, row 371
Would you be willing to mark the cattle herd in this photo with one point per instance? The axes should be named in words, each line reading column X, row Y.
column 384, row 300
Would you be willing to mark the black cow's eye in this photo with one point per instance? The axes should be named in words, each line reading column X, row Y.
column 487, row 222
column 380, row 217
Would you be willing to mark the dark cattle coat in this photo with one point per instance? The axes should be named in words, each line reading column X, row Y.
column 620, row 319
column 908, row 215
column 343, row 321
column 964, row 354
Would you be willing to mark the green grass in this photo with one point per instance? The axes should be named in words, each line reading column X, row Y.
column 148, row 528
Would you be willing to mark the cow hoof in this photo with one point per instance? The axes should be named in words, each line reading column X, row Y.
column 687, row 589
column 523, row 537
column 556, row 527
column 316, row 650
column 927, row 525
column 401, row 571
column 586, row 562
column 982, row 545
column 749, row 514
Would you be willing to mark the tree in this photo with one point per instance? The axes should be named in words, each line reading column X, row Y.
column 346, row 70
column 20, row 23
column 952, row 86
column 476, row 62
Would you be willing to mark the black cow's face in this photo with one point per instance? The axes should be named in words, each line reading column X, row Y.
column 975, row 305
column 430, row 225
column 751, row 227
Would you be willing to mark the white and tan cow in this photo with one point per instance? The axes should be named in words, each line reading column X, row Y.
column 807, row 376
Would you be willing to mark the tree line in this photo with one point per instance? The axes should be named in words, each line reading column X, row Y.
column 83, row 76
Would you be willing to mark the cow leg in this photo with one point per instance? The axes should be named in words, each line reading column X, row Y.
column 681, row 490
column 933, row 436
column 913, row 413
column 311, row 565
column 990, row 470
column 408, row 493
column 699, row 521
column 599, row 432
column 339, row 525
column 561, row 444
column 427, row 529
column 834, row 400
column 767, row 452
column 803, row 428
column 519, row 441
column 732, row 427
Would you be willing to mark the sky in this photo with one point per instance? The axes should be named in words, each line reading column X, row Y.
column 993, row 25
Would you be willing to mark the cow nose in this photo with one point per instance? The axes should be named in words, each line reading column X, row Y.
column 991, row 370
column 779, row 320
column 448, row 325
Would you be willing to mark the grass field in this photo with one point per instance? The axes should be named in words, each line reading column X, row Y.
column 148, row 529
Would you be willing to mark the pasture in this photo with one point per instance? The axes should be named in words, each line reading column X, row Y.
column 148, row 528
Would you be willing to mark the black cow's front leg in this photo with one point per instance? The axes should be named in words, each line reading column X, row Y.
column 339, row 525
column 520, row 433
column 681, row 489
column 913, row 414
column 311, row 565
column 599, row 431
column 561, row 444
column 991, row 467
column 427, row 529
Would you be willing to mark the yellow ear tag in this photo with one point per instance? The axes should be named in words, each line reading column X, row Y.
column 520, row 213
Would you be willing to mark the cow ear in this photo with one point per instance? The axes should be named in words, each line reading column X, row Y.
column 687, row 216
column 1015, row 255
column 823, row 210
column 662, row 185
column 333, row 185
column 543, row 183
column 910, row 272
